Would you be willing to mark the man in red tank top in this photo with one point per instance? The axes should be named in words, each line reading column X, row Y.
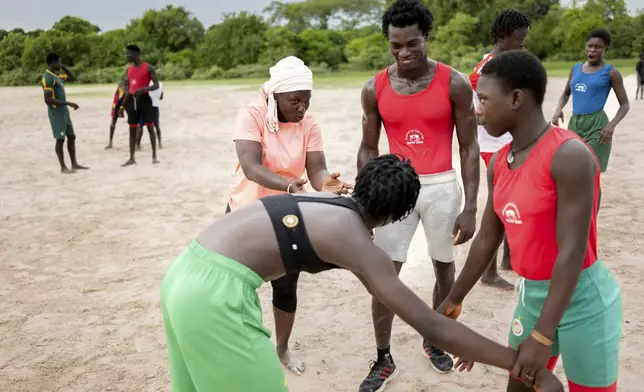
column 544, row 192
column 138, row 103
column 420, row 101
column 509, row 31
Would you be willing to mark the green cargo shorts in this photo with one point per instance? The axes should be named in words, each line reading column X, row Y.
column 61, row 124
column 213, row 322
column 589, row 127
column 589, row 332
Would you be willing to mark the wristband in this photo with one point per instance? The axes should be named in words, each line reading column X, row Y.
column 288, row 188
column 540, row 338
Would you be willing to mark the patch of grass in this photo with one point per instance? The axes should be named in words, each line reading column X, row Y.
column 344, row 79
column 562, row 68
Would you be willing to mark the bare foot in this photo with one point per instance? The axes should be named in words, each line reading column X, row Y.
column 65, row 170
column 129, row 162
column 155, row 160
column 109, row 146
column 497, row 282
column 290, row 362
column 79, row 167
column 138, row 148
column 160, row 146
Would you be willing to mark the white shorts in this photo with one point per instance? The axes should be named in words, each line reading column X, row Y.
column 438, row 205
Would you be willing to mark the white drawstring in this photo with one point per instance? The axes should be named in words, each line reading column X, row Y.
column 519, row 288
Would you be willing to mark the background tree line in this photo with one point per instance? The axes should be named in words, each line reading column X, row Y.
column 329, row 35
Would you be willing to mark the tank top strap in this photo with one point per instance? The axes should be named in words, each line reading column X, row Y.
column 340, row 201
column 501, row 157
column 382, row 81
column 292, row 239
column 443, row 74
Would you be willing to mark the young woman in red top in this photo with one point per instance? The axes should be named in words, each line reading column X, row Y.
column 543, row 192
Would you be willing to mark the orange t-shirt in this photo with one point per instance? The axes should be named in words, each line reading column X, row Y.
column 283, row 152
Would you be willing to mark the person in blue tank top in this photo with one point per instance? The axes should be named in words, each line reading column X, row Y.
column 589, row 83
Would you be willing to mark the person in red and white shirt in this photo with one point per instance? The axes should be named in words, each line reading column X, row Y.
column 509, row 31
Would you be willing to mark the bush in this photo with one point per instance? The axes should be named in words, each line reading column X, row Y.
column 20, row 77
column 247, row 71
column 368, row 53
column 101, row 75
column 172, row 71
column 213, row 72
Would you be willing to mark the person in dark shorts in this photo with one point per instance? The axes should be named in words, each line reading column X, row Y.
column 138, row 103
column 639, row 69
column 212, row 315
column 53, row 85
column 157, row 96
column 117, row 108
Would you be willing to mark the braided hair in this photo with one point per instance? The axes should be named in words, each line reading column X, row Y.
column 507, row 22
column 387, row 188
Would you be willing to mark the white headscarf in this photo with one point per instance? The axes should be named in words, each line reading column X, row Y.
column 289, row 74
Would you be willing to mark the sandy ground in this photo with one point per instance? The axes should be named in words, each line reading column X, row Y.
column 83, row 255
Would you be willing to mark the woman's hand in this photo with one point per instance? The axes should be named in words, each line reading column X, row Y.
column 297, row 185
column 547, row 382
column 532, row 357
column 333, row 185
column 450, row 309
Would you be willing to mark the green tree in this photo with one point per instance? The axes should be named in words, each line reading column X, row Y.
column 322, row 47
column 75, row 25
column 171, row 29
column 573, row 30
column 368, row 52
column 238, row 40
column 11, row 49
column 455, row 42
column 541, row 40
column 280, row 42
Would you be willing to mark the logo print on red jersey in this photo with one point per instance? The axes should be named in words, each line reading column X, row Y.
column 414, row 136
column 511, row 214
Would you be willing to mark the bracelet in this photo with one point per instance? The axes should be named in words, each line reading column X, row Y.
column 288, row 188
column 540, row 338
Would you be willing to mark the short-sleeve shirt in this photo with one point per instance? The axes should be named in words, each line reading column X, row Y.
column 56, row 84
column 155, row 95
column 283, row 152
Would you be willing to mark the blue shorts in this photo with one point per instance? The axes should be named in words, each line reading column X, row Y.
column 156, row 118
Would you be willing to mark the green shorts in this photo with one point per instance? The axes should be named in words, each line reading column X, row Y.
column 589, row 333
column 61, row 124
column 589, row 127
column 213, row 322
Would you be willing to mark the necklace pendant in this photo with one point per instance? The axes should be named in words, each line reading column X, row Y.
column 510, row 157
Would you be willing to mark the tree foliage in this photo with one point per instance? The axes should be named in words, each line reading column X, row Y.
column 327, row 34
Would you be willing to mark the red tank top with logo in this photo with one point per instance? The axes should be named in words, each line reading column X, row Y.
column 419, row 126
column 138, row 76
column 525, row 199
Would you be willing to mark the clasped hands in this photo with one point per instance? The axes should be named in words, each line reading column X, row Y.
column 530, row 364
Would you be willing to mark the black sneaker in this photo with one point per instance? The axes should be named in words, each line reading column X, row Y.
column 438, row 359
column 381, row 373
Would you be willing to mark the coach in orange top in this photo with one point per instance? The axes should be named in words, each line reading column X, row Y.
column 276, row 141
column 509, row 31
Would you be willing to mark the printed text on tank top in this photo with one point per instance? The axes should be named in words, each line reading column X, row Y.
column 418, row 119
column 294, row 244
column 525, row 200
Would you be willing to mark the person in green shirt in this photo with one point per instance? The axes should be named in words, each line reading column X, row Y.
column 53, row 85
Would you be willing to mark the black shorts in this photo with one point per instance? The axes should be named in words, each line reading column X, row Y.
column 139, row 109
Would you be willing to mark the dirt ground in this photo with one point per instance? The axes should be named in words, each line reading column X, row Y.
column 83, row 255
